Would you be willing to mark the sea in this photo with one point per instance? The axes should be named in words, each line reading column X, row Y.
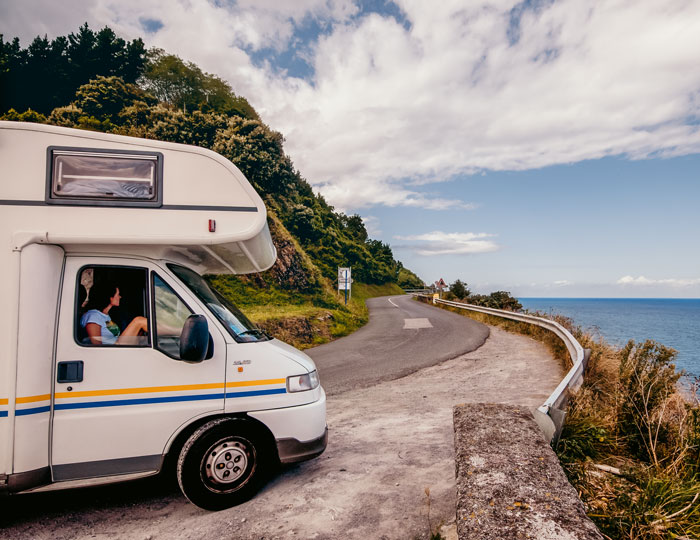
column 672, row 322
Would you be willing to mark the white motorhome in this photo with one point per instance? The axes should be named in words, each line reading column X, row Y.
column 115, row 353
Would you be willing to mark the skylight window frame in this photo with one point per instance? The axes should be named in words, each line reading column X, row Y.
column 52, row 198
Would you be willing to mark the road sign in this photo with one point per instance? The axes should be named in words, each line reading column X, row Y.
column 344, row 279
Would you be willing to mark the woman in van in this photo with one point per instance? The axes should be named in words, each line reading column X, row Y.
column 100, row 327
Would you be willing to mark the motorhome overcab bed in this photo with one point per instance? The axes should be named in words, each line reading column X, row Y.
column 102, row 386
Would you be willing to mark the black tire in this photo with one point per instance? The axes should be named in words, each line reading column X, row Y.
column 223, row 463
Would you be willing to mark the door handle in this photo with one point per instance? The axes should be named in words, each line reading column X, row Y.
column 70, row 371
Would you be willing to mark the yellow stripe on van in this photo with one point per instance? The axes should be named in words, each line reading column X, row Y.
column 4, row 401
column 145, row 390
column 32, row 399
column 256, row 383
column 177, row 388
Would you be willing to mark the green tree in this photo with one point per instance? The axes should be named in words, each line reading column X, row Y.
column 496, row 300
column 173, row 81
column 27, row 116
column 47, row 74
column 105, row 97
column 68, row 116
column 305, row 223
column 459, row 289
column 257, row 151
column 185, row 86
column 219, row 97
column 355, row 227
column 503, row 300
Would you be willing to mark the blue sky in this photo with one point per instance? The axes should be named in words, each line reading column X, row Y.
column 548, row 148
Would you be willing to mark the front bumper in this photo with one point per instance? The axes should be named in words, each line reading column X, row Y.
column 300, row 432
column 292, row 450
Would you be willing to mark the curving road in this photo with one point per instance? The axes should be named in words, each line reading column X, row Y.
column 402, row 336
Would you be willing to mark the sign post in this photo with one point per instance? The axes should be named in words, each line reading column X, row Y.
column 344, row 281
column 440, row 285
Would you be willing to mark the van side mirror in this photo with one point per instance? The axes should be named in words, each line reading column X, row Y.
column 194, row 339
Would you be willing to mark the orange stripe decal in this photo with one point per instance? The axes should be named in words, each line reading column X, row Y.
column 33, row 399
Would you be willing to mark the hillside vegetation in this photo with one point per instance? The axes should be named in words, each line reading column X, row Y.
column 98, row 81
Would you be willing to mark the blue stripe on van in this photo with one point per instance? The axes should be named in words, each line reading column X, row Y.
column 33, row 410
column 3, row 413
column 169, row 399
column 257, row 393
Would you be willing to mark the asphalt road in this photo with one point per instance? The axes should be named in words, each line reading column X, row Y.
column 402, row 336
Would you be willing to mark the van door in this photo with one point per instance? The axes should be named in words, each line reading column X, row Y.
column 120, row 390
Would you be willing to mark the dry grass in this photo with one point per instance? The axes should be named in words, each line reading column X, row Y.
column 632, row 414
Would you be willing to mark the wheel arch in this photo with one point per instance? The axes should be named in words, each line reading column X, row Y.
column 178, row 439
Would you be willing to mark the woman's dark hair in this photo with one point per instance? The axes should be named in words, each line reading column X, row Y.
column 100, row 295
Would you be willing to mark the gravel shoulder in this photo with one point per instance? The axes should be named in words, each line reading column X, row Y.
column 388, row 443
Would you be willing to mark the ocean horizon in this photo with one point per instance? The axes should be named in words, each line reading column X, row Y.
column 674, row 322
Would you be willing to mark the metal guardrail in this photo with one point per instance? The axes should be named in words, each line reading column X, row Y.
column 425, row 290
column 550, row 415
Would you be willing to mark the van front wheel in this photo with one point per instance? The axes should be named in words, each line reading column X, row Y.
column 222, row 463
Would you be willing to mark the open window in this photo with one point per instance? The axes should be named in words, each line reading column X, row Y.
column 111, row 306
column 104, row 177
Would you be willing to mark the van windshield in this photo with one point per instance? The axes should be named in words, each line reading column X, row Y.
column 237, row 324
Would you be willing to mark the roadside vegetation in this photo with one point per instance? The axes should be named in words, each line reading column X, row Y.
column 459, row 292
column 631, row 442
column 98, row 81
column 631, row 439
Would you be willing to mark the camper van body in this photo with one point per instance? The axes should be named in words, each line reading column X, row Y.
column 73, row 413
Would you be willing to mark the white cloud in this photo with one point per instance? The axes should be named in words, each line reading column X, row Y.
column 642, row 281
column 442, row 243
column 452, row 92
column 452, row 95
column 363, row 192
column 562, row 283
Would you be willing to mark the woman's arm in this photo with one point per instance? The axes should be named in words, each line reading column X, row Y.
column 94, row 332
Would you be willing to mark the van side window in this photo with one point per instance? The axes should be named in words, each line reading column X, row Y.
column 104, row 177
column 170, row 314
column 111, row 307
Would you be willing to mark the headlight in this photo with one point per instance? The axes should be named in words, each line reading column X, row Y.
column 301, row 383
